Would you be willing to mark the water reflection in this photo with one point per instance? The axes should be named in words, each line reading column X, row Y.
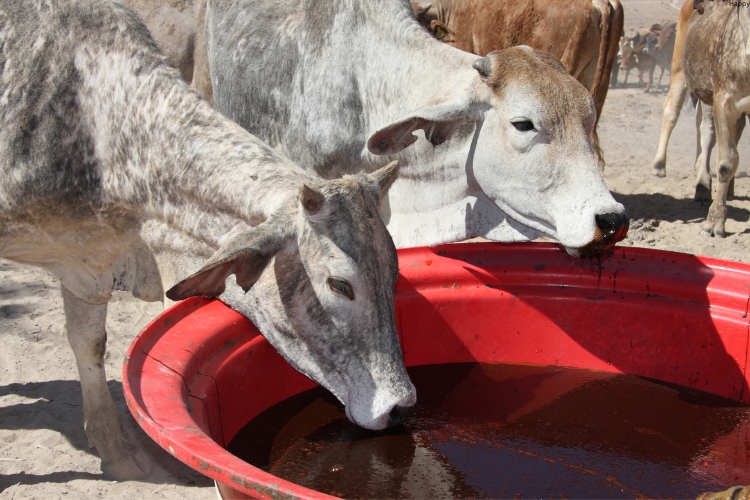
column 498, row 430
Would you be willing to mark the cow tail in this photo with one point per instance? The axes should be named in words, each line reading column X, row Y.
column 611, row 28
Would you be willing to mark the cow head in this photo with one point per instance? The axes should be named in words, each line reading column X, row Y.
column 531, row 151
column 652, row 41
column 667, row 35
column 319, row 278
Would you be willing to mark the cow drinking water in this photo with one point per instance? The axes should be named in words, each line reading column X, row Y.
column 497, row 146
column 117, row 176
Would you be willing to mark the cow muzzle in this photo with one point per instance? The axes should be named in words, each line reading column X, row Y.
column 610, row 228
column 399, row 414
column 380, row 407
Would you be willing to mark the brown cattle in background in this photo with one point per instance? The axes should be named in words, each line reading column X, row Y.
column 660, row 44
column 633, row 56
column 583, row 34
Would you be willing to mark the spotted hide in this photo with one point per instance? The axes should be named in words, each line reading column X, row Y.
column 116, row 175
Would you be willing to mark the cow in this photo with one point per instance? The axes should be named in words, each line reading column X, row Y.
column 633, row 41
column 722, row 84
column 116, row 175
column 660, row 45
column 583, row 34
column 633, row 56
column 177, row 28
column 503, row 149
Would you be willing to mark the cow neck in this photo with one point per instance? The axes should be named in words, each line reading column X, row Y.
column 202, row 175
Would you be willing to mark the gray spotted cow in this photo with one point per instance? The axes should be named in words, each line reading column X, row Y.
column 116, row 175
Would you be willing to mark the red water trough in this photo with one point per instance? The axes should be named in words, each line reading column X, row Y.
column 199, row 372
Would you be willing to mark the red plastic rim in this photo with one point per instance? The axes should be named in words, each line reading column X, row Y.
column 200, row 371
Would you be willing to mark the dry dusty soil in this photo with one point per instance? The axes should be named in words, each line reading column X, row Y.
column 43, row 449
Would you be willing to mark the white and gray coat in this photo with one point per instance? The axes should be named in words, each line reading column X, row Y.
column 115, row 175
column 497, row 147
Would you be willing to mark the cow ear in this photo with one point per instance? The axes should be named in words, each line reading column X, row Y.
column 439, row 122
column 245, row 255
column 385, row 175
column 311, row 200
column 441, row 31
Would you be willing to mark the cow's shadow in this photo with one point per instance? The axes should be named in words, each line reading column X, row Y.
column 55, row 405
column 667, row 208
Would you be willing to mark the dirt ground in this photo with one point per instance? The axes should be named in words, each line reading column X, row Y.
column 43, row 449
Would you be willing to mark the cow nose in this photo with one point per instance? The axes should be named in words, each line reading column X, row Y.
column 614, row 226
column 399, row 414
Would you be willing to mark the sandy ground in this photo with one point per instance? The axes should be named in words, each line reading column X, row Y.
column 43, row 449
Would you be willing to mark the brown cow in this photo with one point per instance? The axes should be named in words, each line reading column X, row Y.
column 723, row 86
column 660, row 44
column 583, row 34
column 633, row 56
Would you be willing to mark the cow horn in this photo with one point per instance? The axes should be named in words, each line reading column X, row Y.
column 483, row 66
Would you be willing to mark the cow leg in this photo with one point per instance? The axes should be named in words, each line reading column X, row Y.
column 672, row 106
column 201, row 74
column 704, row 125
column 725, row 122
column 658, row 82
column 614, row 75
column 740, row 128
column 625, row 81
column 85, row 325
column 650, row 78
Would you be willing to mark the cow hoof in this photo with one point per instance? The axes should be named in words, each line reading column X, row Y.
column 136, row 467
column 706, row 233
column 702, row 194
column 659, row 173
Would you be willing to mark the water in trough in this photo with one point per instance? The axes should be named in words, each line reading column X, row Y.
column 504, row 430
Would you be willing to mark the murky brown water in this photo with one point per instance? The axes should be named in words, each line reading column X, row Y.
column 499, row 430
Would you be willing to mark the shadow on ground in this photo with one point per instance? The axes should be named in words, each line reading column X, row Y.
column 667, row 208
column 57, row 405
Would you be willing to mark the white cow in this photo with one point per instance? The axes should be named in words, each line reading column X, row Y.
column 115, row 175
column 502, row 148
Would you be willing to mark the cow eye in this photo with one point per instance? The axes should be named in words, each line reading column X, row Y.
column 439, row 33
column 341, row 286
column 524, row 126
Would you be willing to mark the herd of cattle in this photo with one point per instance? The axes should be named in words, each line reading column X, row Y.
column 118, row 175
